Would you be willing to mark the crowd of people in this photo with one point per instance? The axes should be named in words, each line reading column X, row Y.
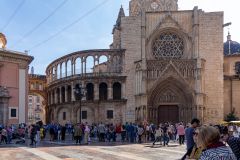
column 203, row 142
column 208, row 142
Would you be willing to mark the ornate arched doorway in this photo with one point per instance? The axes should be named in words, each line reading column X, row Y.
column 171, row 100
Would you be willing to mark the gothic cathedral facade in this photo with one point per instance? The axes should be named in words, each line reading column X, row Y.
column 173, row 62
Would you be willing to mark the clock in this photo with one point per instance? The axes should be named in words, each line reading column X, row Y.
column 154, row 5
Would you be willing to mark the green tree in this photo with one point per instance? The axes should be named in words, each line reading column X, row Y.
column 231, row 117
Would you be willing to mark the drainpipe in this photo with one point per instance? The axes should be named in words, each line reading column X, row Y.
column 231, row 95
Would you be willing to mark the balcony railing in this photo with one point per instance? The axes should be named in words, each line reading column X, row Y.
column 87, row 75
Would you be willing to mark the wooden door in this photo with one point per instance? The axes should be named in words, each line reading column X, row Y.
column 168, row 113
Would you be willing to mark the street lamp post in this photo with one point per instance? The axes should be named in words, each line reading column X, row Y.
column 79, row 91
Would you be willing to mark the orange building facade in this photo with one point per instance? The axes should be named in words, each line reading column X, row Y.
column 13, row 86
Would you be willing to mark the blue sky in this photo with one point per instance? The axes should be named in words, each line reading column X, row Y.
column 91, row 32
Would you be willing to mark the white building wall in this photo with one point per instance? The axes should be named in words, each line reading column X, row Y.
column 22, row 95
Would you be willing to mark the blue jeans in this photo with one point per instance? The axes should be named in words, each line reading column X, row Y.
column 165, row 139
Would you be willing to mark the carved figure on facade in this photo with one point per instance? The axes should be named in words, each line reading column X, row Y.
column 135, row 7
column 168, row 97
column 4, row 92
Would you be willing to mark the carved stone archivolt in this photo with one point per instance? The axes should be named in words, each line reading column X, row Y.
column 168, row 97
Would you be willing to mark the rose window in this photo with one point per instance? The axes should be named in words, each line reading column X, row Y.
column 168, row 45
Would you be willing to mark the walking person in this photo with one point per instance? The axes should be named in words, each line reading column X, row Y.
column 158, row 135
column 189, row 133
column 165, row 135
column 181, row 133
column 4, row 135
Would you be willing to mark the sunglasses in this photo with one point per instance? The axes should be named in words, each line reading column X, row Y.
column 195, row 133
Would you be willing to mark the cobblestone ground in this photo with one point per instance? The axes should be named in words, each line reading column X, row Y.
column 67, row 150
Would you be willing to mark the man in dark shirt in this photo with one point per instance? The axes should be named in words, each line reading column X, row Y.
column 189, row 132
column 233, row 142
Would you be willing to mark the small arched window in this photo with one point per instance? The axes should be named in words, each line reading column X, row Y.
column 116, row 91
column 103, row 91
column 90, row 91
column 69, row 94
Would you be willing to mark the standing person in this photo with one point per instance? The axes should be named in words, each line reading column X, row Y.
column 86, row 134
column 238, row 129
column 123, row 133
column 233, row 142
column 9, row 134
column 58, row 132
column 42, row 133
column 131, row 133
column 140, row 133
column 63, row 133
column 181, row 133
column 78, row 133
column 118, row 130
column 33, row 133
column 189, row 132
column 197, row 149
column 213, row 149
column 101, row 130
column 51, row 132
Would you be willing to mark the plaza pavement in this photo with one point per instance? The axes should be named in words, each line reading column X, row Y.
column 67, row 150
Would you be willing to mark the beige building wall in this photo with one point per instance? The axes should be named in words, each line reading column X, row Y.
column 131, row 41
column 211, row 49
column 231, row 86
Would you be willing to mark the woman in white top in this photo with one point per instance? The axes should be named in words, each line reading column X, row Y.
column 86, row 134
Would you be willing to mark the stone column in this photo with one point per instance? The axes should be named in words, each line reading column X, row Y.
column 48, row 102
column 96, row 91
column 110, row 94
column 60, row 94
column 56, row 97
column 72, row 67
column 85, row 67
column 73, row 94
column 66, row 93
column 55, row 116
column 81, row 67
column 66, row 69
column 60, row 70
column 123, row 85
